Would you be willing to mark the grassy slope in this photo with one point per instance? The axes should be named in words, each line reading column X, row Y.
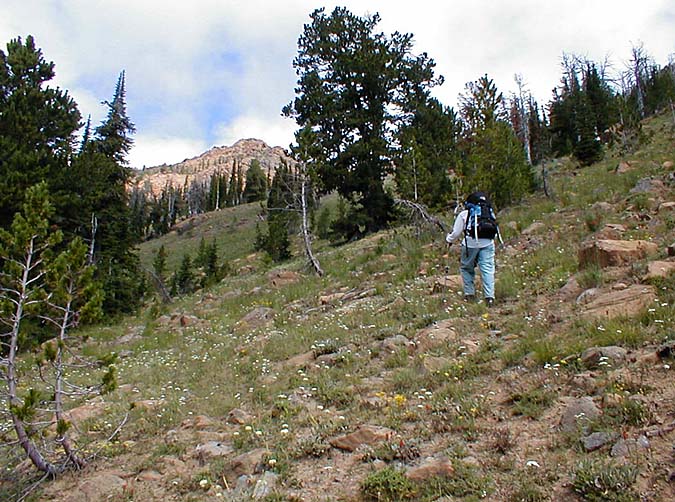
column 491, row 408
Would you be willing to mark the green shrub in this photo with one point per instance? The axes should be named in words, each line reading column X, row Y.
column 387, row 485
column 600, row 481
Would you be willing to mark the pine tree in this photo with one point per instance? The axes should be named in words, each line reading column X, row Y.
column 256, row 183
column 356, row 88
column 159, row 263
column 37, row 126
column 114, row 133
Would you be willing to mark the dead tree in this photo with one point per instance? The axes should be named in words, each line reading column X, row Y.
column 420, row 214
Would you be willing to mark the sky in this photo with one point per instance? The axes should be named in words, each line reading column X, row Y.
column 205, row 73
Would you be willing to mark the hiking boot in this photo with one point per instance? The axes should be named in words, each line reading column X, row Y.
column 490, row 302
column 469, row 298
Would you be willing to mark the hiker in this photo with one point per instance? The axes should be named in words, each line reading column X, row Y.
column 476, row 223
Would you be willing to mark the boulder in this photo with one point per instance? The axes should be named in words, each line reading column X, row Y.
column 365, row 435
column 248, row 463
column 433, row 364
column 666, row 207
column 611, row 231
column 595, row 356
column 395, row 343
column 534, row 228
column 280, row 278
column 211, row 450
column 440, row 333
column 625, row 303
column 430, row 469
column 257, row 318
column 104, row 486
column 659, row 269
column 608, row 252
column 446, row 283
column 668, row 164
column 578, row 413
column 570, row 290
column 597, row 440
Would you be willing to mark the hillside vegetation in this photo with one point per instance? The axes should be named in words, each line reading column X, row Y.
column 378, row 382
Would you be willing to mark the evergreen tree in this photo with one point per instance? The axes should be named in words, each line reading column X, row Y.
column 256, row 183
column 184, row 278
column 37, row 126
column 588, row 148
column 159, row 263
column 114, row 133
column 356, row 88
column 279, row 202
column 428, row 154
column 493, row 158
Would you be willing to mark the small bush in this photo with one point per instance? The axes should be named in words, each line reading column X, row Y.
column 387, row 485
column 599, row 481
column 531, row 403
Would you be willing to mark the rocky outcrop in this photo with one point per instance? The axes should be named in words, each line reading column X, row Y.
column 220, row 159
column 627, row 302
column 611, row 253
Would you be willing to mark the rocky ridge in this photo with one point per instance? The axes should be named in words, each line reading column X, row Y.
column 219, row 159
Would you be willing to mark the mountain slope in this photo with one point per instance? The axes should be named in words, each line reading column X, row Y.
column 378, row 382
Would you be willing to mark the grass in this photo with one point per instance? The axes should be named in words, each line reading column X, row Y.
column 523, row 363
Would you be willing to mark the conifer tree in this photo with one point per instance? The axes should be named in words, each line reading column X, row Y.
column 256, row 183
column 37, row 126
column 356, row 87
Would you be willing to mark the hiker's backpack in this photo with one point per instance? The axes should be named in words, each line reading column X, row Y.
column 481, row 222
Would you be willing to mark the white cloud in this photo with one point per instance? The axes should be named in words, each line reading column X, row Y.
column 219, row 70
column 277, row 131
column 151, row 150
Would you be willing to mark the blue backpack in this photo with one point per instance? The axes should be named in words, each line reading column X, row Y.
column 481, row 222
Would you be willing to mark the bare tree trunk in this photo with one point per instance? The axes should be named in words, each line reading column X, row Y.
column 305, row 229
column 21, row 301
column 92, row 245
column 161, row 287
column 418, row 210
column 63, row 438
column 524, row 119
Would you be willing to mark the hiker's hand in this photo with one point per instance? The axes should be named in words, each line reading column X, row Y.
column 447, row 239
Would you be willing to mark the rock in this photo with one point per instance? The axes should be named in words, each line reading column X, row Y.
column 257, row 318
column 239, row 417
column 200, row 422
column 666, row 207
column 668, row 164
column 624, row 447
column 659, row 269
column 534, row 228
column 446, row 283
column 431, row 468
column 440, row 333
column 608, row 252
column 106, row 486
column 395, row 343
column 628, row 302
column 301, row 360
column 648, row 185
column 433, row 364
column 611, row 231
column 570, row 290
column 595, row 356
column 330, row 299
column 92, row 409
column 280, row 278
column 623, row 167
column 248, row 463
column 365, row 435
column 211, row 450
column 265, row 485
column 578, row 413
column 602, row 206
column 666, row 350
column 587, row 296
column 596, row 440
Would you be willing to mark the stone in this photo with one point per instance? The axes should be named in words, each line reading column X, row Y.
column 602, row 206
column 624, row 447
column 239, row 417
column 623, row 167
column 578, row 413
column 666, row 207
column 659, row 269
column 431, row 468
column 395, row 343
column 668, row 164
column 609, row 252
column 587, row 296
column 265, row 485
column 626, row 303
column 570, row 290
column 301, row 360
column 257, row 318
column 365, row 435
column 280, row 278
column 611, row 231
column 211, row 450
column 105, row 486
column 92, row 409
column 440, row 333
column 248, row 463
column 446, row 283
column 434, row 364
column 534, row 228
column 596, row 440
column 648, row 185
column 595, row 356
